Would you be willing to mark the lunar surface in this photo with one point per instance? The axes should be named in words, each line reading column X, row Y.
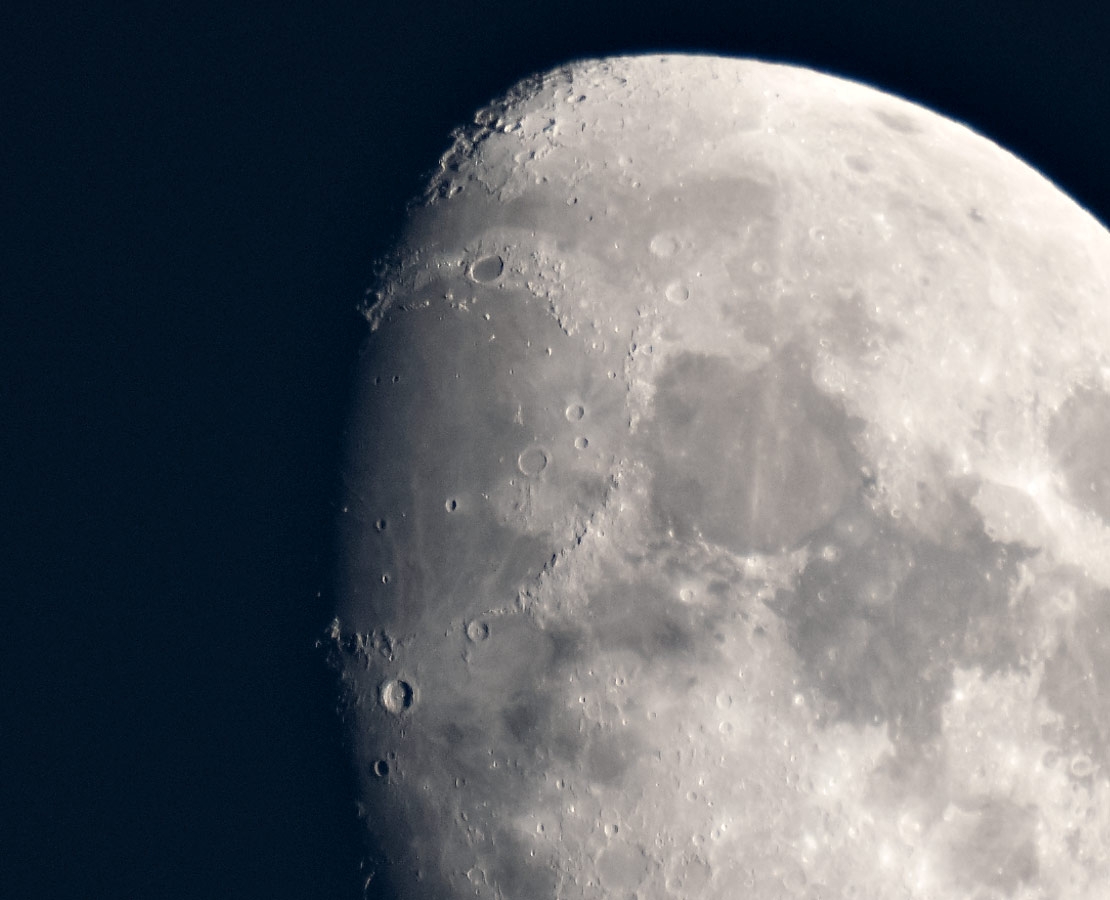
column 727, row 512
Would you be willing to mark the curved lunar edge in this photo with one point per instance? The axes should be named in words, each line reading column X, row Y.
column 728, row 505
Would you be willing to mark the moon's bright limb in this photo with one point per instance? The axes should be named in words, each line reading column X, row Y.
column 729, row 504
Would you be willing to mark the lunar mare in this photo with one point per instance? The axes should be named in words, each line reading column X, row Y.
column 727, row 511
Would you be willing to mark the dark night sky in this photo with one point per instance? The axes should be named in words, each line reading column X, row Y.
column 194, row 199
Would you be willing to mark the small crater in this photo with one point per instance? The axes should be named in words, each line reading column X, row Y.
column 397, row 696
column 677, row 292
column 794, row 879
column 581, row 443
column 451, row 505
column 1081, row 766
column 575, row 412
column 381, row 768
column 664, row 246
column 477, row 631
column 897, row 121
column 858, row 163
column 532, row 461
column 487, row 269
column 380, row 525
column 1079, row 433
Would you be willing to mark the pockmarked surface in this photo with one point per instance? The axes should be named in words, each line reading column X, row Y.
column 728, row 505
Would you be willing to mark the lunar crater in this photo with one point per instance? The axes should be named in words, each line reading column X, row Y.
column 1079, row 438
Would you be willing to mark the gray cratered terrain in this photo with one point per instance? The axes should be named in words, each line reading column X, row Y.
column 728, row 505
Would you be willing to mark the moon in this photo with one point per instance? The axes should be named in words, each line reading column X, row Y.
column 727, row 505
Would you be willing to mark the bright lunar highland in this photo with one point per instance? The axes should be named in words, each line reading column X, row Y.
column 727, row 505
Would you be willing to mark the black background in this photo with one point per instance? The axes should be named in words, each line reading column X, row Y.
column 193, row 200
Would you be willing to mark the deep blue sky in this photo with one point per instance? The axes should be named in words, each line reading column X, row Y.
column 194, row 198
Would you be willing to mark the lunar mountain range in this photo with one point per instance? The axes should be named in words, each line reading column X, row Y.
column 727, row 505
